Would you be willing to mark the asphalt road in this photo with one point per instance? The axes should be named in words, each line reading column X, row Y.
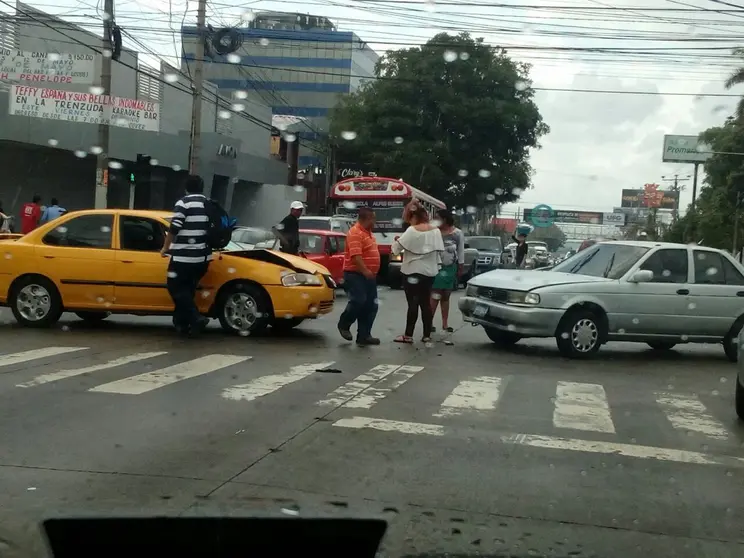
column 463, row 447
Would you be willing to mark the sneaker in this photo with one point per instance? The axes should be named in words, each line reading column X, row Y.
column 369, row 341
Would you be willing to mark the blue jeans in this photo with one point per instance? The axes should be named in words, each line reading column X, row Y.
column 362, row 305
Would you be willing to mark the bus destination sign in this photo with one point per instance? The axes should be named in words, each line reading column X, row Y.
column 371, row 186
column 387, row 203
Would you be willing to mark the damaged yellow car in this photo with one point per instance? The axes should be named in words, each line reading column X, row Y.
column 101, row 262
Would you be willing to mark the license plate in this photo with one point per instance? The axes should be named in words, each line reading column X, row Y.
column 480, row 311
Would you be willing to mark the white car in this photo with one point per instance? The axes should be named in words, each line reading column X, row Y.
column 648, row 292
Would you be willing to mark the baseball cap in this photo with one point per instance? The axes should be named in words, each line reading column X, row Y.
column 297, row 205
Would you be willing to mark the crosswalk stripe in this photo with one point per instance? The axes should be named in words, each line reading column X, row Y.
column 34, row 354
column 687, row 412
column 142, row 383
column 582, row 407
column 271, row 383
column 354, row 387
column 478, row 394
column 391, row 382
column 63, row 374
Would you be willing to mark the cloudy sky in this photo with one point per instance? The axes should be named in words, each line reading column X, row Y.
column 612, row 77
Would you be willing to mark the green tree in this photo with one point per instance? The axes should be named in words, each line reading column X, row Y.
column 454, row 117
column 553, row 236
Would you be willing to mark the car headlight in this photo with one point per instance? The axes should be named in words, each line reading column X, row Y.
column 516, row 297
column 300, row 279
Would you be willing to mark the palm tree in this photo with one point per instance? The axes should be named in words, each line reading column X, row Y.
column 737, row 78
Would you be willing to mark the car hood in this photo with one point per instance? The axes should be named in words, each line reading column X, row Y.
column 526, row 280
column 295, row 263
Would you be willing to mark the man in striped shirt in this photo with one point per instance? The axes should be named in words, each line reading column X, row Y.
column 361, row 264
column 190, row 254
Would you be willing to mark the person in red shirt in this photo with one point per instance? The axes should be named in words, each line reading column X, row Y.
column 30, row 215
column 361, row 264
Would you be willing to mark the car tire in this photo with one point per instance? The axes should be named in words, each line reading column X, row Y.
column 739, row 399
column 661, row 345
column 502, row 338
column 730, row 342
column 285, row 325
column 92, row 316
column 579, row 334
column 46, row 299
column 244, row 309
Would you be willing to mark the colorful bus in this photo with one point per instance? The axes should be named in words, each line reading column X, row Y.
column 388, row 197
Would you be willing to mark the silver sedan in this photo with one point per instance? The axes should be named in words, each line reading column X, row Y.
column 657, row 293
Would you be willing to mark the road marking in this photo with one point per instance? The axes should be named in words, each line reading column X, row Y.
column 582, row 407
column 266, row 385
column 34, row 354
column 142, row 383
column 546, row 442
column 359, row 393
column 687, row 412
column 63, row 374
column 479, row 394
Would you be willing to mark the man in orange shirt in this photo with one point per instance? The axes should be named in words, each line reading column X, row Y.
column 361, row 264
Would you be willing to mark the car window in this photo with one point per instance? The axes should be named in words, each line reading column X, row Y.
column 250, row 236
column 341, row 243
column 311, row 243
column 317, row 224
column 668, row 265
column 486, row 243
column 86, row 231
column 140, row 234
column 711, row 268
column 603, row 260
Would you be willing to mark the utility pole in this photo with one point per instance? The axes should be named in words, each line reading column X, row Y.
column 196, row 105
column 101, row 193
column 676, row 188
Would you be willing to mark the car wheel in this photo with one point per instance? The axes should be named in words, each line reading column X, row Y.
column 35, row 302
column 243, row 308
column 286, row 324
column 739, row 399
column 661, row 345
column 502, row 338
column 731, row 342
column 579, row 334
column 92, row 317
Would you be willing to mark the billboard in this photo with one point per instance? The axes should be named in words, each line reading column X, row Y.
column 570, row 217
column 684, row 149
column 638, row 198
column 507, row 224
column 88, row 108
column 46, row 67
column 613, row 219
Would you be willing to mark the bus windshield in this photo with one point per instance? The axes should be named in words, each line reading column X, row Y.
column 389, row 219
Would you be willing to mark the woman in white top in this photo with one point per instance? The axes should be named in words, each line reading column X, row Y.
column 422, row 247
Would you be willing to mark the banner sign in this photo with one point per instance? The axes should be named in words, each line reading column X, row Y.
column 662, row 199
column 73, row 106
column 353, row 170
column 613, row 219
column 567, row 217
column 46, row 67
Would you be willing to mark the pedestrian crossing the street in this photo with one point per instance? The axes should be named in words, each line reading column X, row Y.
column 573, row 408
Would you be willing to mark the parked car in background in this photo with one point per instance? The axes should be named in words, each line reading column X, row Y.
column 325, row 248
column 249, row 238
column 489, row 250
column 657, row 293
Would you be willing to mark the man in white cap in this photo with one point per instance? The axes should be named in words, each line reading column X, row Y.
column 288, row 230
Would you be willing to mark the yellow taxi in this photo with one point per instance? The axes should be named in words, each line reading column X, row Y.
column 101, row 262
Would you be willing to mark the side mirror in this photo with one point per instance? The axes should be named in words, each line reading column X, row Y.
column 642, row 276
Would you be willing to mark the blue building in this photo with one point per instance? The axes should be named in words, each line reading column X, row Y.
column 296, row 63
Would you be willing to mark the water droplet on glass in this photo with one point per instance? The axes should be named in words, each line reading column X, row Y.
column 348, row 135
column 413, row 280
column 521, row 85
column 436, row 296
column 65, row 328
column 684, row 338
column 299, row 188
column 290, row 138
column 449, row 56
column 53, row 56
column 105, row 229
column 96, row 89
column 621, row 331
column 237, row 107
column 564, row 335
column 231, row 270
column 397, row 221
column 170, row 77
column 464, row 56
column 349, row 205
column 636, row 321
column 154, row 162
column 263, row 42
column 430, row 5
column 711, row 271
column 95, row 150
column 666, row 273
column 583, row 473
column 8, row 256
column 723, row 380
column 471, row 209
column 120, row 122
column 462, row 173
column 53, row 142
column 106, row 52
column 244, row 333
column 398, row 140
column 79, row 153
column 490, row 197
column 233, row 58
column 517, row 191
column 205, row 294
column 176, row 167
column 224, row 114
column 715, row 393
column 115, row 165
column 692, row 306
column 240, row 94
column 484, row 173
column 172, row 274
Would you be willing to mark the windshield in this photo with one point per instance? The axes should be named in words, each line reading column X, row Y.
column 490, row 243
column 250, row 236
column 603, row 260
column 389, row 219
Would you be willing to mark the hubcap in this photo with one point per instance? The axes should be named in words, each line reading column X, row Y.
column 33, row 303
column 241, row 311
column 584, row 335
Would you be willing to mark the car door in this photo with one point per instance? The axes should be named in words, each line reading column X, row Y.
column 78, row 256
column 335, row 265
column 659, row 307
column 139, row 269
column 716, row 295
